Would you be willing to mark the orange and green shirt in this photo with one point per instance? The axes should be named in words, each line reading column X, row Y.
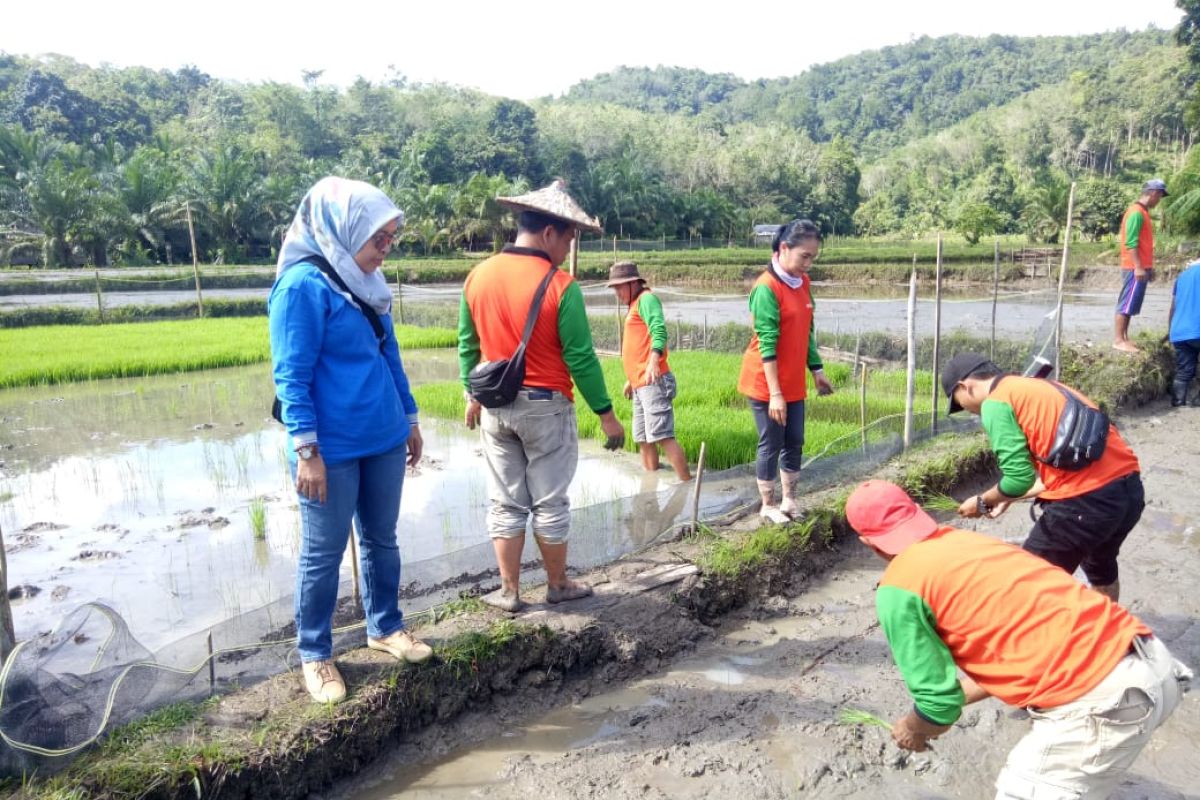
column 782, row 318
column 1024, row 630
column 491, row 318
column 1137, row 235
column 645, row 332
column 1020, row 416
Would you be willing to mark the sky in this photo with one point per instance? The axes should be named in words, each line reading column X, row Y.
column 552, row 46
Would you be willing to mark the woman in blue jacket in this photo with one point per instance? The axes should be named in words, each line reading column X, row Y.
column 351, row 418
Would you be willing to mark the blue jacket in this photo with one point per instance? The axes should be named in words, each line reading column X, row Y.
column 334, row 384
column 1185, row 322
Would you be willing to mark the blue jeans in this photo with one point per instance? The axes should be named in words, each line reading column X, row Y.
column 368, row 490
column 1185, row 359
column 778, row 444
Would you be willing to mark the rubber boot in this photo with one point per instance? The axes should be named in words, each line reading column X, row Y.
column 1179, row 390
column 791, row 493
column 769, row 511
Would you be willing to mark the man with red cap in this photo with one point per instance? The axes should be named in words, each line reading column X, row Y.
column 1094, row 678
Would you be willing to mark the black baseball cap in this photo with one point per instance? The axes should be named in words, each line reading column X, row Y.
column 958, row 367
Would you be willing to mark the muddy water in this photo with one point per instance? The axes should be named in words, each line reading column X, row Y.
column 140, row 493
column 754, row 712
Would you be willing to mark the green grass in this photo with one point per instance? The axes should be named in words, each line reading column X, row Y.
column 60, row 354
column 709, row 408
column 258, row 518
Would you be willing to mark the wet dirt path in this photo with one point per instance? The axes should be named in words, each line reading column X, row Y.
column 753, row 712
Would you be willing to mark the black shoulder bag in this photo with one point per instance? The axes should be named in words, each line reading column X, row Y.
column 496, row 383
column 1081, row 436
column 320, row 263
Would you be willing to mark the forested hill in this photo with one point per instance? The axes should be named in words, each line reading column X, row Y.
column 879, row 98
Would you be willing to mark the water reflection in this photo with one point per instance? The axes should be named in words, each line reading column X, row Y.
column 141, row 493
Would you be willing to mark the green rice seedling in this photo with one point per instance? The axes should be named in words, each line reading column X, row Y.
column 64, row 353
column 856, row 716
column 940, row 502
column 258, row 518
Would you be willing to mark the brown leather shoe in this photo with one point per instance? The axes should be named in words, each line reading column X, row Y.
column 324, row 682
column 402, row 645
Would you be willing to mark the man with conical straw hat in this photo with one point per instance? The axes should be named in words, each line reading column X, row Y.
column 531, row 445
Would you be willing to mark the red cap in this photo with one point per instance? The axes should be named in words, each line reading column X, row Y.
column 885, row 515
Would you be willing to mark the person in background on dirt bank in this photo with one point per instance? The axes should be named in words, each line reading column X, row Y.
column 532, row 445
column 352, row 420
column 1086, row 513
column 1094, row 678
column 773, row 375
column 1137, row 260
column 649, row 381
column 1184, row 322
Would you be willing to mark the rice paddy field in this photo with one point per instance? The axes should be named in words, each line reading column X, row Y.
column 709, row 408
column 64, row 353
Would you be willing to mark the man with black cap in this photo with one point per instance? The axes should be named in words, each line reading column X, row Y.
column 1137, row 259
column 1087, row 511
column 649, row 382
column 1096, row 681
column 531, row 445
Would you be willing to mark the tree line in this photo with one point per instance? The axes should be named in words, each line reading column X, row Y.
column 106, row 165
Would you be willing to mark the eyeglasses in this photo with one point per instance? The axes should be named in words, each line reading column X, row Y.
column 383, row 240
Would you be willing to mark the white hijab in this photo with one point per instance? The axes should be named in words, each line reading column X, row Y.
column 335, row 219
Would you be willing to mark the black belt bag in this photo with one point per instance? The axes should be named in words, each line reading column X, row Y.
column 495, row 383
column 1081, row 436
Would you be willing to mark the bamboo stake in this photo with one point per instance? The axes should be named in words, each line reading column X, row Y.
column 212, row 667
column 857, row 352
column 399, row 296
column 699, row 479
column 8, row 637
column 99, row 298
column 995, row 297
column 862, row 405
column 1062, row 276
column 911, row 380
column 187, row 205
column 575, row 256
column 937, row 331
column 354, row 566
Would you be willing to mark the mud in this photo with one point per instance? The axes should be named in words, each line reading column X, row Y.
column 752, row 711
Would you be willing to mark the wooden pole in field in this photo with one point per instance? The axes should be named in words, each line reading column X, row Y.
column 212, row 667
column 399, row 297
column 354, row 566
column 937, row 331
column 1062, row 277
column 995, row 297
column 187, row 205
column 857, row 353
column 8, row 637
column 696, row 489
column 99, row 298
column 575, row 256
column 911, row 381
column 862, row 405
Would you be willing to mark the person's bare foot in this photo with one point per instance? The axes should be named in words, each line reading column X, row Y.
column 1126, row 347
column 568, row 591
column 504, row 600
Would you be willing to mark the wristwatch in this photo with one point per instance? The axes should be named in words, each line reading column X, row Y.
column 306, row 451
column 981, row 506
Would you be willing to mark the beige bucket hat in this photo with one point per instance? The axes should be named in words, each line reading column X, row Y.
column 554, row 201
column 623, row 272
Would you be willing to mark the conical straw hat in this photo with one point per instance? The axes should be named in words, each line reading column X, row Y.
column 554, row 201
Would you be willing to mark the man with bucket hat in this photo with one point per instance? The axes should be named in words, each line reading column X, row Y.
column 1137, row 259
column 1087, row 507
column 1094, row 678
column 531, row 445
column 649, row 381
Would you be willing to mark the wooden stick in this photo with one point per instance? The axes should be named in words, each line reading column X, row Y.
column 354, row 566
column 995, row 297
column 187, row 205
column 1062, row 277
column 699, row 478
column 575, row 256
column 99, row 299
column 862, row 406
column 911, row 381
column 212, row 668
column 937, row 331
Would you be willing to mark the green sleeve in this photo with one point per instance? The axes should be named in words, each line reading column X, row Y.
column 814, row 355
column 764, row 307
column 468, row 342
column 650, row 309
column 1133, row 229
column 1008, row 441
column 578, row 352
column 925, row 662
